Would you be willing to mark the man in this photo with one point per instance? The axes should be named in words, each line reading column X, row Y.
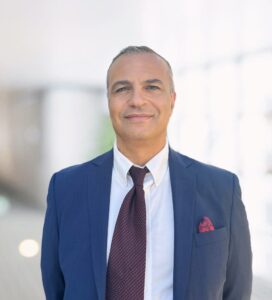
column 143, row 221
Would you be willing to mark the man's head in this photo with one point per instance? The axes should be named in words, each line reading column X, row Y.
column 141, row 50
column 141, row 95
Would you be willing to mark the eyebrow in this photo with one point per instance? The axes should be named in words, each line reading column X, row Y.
column 127, row 82
column 120, row 82
column 153, row 81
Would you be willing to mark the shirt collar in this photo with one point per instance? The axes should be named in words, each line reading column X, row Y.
column 157, row 165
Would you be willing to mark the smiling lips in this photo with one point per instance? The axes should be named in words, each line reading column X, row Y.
column 138, row 117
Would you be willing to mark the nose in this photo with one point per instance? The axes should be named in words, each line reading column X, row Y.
column 136, row 98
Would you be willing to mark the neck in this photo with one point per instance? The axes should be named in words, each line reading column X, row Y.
column 140, row 152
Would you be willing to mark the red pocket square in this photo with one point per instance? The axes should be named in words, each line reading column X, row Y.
column 205, row 225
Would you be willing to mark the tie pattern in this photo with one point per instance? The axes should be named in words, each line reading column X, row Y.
column 126, row 265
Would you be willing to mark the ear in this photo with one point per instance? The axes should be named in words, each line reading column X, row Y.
column 173, row 99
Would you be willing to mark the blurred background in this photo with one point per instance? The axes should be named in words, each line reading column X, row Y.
column 53, row 107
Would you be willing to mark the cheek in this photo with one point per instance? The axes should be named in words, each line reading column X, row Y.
column 113, row 107
column 167, row 112
column 115, row 112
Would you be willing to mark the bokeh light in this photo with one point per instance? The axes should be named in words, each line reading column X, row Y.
column 29, row 248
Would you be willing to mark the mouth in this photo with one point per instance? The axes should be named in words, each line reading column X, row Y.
column 138, row 117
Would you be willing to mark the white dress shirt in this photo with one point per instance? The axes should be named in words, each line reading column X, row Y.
column 159, row 219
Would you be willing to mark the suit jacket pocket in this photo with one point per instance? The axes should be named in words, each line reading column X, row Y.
column 209, row 265
column 211, row 237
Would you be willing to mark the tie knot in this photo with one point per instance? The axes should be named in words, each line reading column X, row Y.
column 138, row 175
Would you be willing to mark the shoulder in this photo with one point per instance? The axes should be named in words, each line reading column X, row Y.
column 77, row 172
column 204, row 172
column 215, row 187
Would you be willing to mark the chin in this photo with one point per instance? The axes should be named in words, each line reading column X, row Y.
column 133, row 135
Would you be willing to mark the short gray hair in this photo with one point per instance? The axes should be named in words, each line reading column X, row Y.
column 140, row 50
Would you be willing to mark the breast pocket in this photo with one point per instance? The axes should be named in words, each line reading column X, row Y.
column 210, row 252
column 208, row 265
column 210, row 237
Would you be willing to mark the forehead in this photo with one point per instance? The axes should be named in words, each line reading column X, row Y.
column 142, row 66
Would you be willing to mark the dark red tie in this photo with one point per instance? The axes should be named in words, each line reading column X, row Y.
column 126, row 265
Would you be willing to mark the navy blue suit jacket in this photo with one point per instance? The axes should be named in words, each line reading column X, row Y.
column 214, row 265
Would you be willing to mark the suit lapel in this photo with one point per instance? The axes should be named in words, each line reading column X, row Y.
column 99, row 187
column 184, row 194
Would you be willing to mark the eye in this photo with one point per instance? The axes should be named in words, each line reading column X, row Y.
column 152, row 87
column 121, row 89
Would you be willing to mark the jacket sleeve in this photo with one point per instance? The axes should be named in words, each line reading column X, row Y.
column 239, row 269
column 52, row 277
